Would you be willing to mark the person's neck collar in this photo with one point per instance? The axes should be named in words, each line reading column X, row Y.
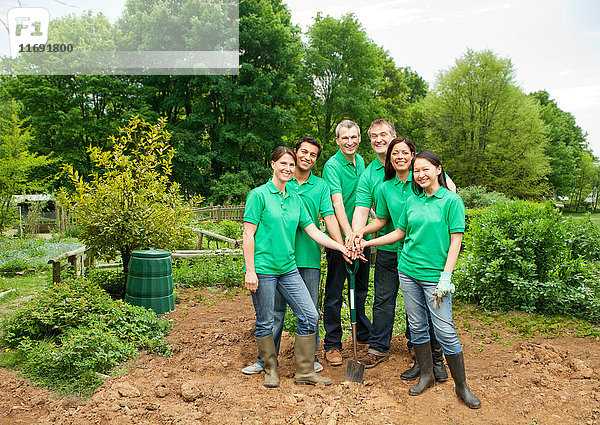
column 351, row 158
column 404, row 176
column 430, row 191
column 279, row 184
column 302, row 176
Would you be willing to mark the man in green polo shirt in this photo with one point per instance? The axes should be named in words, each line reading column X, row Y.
column 342, row 172
column 315, row 195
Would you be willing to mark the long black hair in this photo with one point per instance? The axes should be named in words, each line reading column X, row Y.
column 435, row 161
column 389, row 169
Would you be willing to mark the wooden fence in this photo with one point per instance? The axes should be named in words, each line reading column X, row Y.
column 220, row 212
column 79, row 260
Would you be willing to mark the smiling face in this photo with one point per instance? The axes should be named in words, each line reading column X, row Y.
column 307, row 155
column 283, row 168
column 348, row 140
column 426, row 175
column 381, row 136
column 401, row 158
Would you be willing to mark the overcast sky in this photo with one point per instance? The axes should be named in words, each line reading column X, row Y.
column 554, row 44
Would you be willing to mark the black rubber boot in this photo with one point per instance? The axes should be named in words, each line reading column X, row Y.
column 456, row 364
column 304, row 357
column 266, row 351
column 413, row 372
column 425, row 361
column 439, row 370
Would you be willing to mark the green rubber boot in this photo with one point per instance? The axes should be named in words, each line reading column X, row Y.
column 425, row 361
column 456, row 364
column 304, row 357
column 266, row 351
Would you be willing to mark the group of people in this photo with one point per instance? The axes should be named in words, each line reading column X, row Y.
column 421, row 220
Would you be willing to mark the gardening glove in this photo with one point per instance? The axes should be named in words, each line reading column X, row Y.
column 444, row 287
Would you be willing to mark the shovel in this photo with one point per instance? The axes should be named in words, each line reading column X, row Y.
column 355, row 370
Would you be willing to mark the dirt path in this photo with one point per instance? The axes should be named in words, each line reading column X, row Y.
column 529, row 382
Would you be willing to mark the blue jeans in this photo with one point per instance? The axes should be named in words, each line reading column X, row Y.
column 417, row 294
column 293, row 290
column 311, row 278
column 332, row 305
column 384, row 303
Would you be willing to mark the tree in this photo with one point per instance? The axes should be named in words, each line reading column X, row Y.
column 227, row 124
column 17, row 163
column 69, row 113
column 485, row 129
column 584, row 182
column 566, row 144
column 129, row 201
column 343, row 76
column 596, row 186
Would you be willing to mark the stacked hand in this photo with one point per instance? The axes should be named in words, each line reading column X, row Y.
column 443, row 288
column 355, row 244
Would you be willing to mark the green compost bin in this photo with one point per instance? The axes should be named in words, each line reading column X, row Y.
column 150, row 280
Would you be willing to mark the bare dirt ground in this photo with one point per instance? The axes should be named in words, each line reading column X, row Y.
column 533, row 381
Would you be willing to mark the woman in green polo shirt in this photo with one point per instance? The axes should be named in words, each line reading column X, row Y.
column 390, row 201
column 271, row 217
column 432, row 225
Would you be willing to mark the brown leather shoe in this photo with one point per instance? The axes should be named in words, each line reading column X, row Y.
column 372, row 360
column 333, row 357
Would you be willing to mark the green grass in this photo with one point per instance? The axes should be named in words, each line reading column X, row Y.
column 595, row 217
column 23, row 287
column 70, row 334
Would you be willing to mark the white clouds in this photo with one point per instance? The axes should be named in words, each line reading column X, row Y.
column 577, row 99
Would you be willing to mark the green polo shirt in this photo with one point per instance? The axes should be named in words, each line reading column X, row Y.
column 390, row 203
column 428, row 223
column 342, row 177
column 367, row 195
column 314, row 192
column 277, row 219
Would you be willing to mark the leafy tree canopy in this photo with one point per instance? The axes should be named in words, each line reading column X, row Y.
column 485, row 129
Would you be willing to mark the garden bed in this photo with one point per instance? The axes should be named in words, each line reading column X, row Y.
column 520, row 380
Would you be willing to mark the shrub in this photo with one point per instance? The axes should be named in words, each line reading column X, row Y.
column 113, row 282
column 526, row 256
column 479, row 197
column 230, row 229
column 72, row 331
column 129, row 201
column 224, row 270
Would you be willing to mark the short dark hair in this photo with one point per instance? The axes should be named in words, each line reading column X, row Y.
column 435, row 161
column 312, row 141
column 380, row 121
column 390, row 172
column 282, row 150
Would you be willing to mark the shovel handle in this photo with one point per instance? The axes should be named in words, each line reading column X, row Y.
column 352, row 270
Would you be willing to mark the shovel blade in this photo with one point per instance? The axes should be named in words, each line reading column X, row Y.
column 355, row 372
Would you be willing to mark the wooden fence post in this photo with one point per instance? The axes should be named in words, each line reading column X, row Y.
column 73, row 260
column 56, row 272
column 219, row 215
